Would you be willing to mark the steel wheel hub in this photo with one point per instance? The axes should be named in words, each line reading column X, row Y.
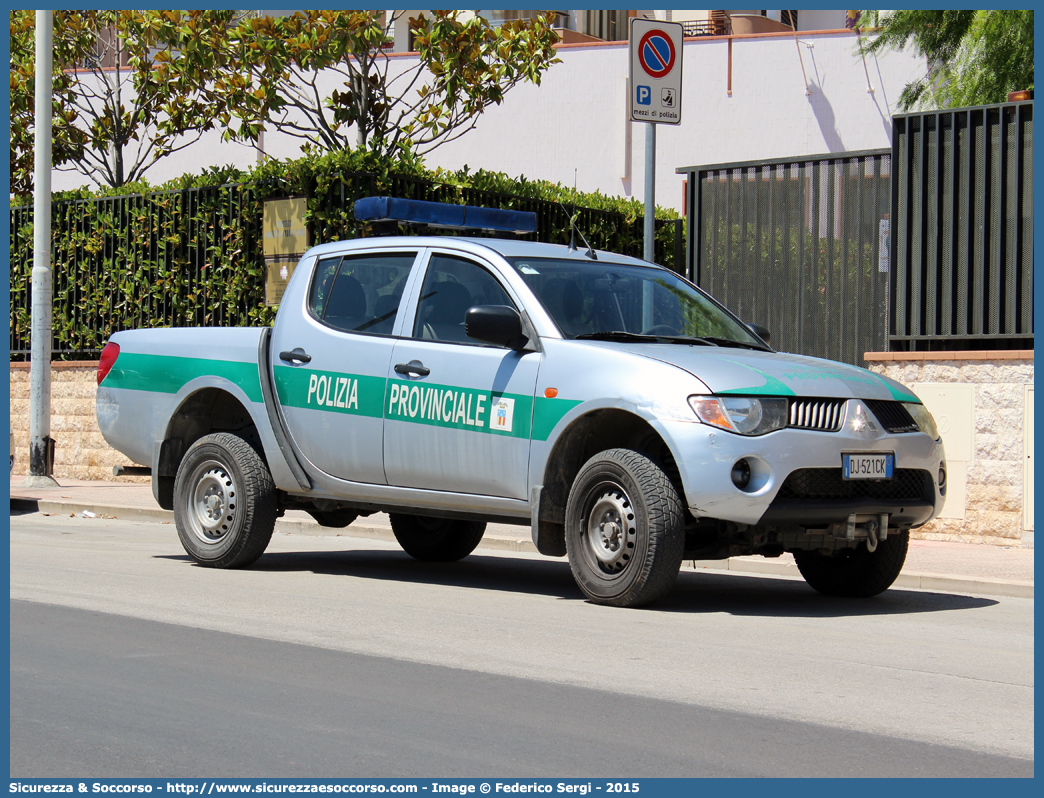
column 213, row 502
column 610, row 530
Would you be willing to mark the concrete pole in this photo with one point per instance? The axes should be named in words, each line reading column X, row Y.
column 41, row 445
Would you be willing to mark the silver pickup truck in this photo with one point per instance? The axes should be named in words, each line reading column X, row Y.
column 622, row 413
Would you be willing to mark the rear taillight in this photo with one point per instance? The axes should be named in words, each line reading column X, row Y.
column 107, row 360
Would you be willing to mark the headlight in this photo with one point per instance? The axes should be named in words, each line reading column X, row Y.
column 923, row 419
column 746, row 415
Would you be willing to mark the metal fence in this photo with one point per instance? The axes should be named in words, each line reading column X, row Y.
column 962, row 243
column 157, row 260
column 794, row 244
column 194, row 257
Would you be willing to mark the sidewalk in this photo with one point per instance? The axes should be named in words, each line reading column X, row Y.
column 952, row 567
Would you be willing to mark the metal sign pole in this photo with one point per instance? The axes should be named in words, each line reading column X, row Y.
column 654, row 85
column 41, row 445
column 650, row 191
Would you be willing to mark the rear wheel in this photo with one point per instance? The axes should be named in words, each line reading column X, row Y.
column 436, row 539
column 625, row 529
column 224, row 502
column 858, row 572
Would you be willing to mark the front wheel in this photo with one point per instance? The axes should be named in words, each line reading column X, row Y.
column 625, row 529
column 436, row 539
column 224, row 502
column 858, row 572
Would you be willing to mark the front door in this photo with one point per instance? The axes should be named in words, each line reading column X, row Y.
column 458, row 414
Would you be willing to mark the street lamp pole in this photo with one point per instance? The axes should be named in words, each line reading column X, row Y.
column 41, row 445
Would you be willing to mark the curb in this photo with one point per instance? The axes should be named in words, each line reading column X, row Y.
column 61, row 507
column 944, row 583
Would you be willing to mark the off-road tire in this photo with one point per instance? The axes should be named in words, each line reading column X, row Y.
column 858, row 572
column 625, row 529
column 224, row 502
column 436, row 539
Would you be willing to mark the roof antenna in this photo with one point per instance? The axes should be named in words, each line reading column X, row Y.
column 573, row 228
column 572, row 218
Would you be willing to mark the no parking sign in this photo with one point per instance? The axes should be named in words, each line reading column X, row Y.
column 656, row 71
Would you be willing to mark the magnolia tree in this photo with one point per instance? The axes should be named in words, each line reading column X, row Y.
column 68, row 140
column 330, row 79
column 131, row 87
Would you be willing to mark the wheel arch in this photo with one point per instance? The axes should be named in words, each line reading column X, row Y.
column 201, row 412
column 596, row 431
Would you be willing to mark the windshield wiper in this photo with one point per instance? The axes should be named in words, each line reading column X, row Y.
column 737, row 344
column 621, row 335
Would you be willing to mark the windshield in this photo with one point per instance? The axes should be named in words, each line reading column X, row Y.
column 598, row 298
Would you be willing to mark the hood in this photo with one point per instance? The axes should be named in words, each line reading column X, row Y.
column 745, row 371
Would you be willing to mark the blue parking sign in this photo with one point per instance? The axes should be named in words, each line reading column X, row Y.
column 655, row 71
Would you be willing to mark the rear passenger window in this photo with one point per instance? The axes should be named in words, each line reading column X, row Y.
column 360, row 293
column 451, row 286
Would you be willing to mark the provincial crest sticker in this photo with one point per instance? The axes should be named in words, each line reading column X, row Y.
column 503, row 413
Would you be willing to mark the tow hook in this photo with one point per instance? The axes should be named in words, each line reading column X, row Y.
column 876, row 530
column 872, row 537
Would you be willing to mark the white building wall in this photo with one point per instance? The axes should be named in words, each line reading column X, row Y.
column 577, row 118
column 575, row 123
column 820, row 19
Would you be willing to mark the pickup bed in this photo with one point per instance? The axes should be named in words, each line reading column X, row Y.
column 619, row 411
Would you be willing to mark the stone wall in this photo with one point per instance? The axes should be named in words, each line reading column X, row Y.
column 987, row 460
column 80, row 451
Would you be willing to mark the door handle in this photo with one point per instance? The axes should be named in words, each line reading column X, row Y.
column 298, row 355
column 413, row 367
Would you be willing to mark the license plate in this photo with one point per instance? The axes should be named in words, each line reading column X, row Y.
column 875, row 465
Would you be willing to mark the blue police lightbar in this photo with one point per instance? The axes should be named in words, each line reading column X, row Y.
column 440, row 214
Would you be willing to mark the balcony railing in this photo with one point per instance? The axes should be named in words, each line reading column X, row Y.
column 718, row 25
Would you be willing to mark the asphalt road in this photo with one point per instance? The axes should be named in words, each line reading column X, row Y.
column 339, row 656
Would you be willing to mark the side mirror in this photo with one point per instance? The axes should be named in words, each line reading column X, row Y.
column 495, row 324
column 761, row 331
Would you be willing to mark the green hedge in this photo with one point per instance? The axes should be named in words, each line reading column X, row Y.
column 189, row 253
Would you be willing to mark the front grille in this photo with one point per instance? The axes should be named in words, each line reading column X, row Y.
column 828, row 484
column 892, row 415
column 817, row 414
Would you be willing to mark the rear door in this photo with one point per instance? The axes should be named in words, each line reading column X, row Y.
column 458, row 414
column 330, row 362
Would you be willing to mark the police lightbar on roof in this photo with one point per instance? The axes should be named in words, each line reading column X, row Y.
column 440, row 214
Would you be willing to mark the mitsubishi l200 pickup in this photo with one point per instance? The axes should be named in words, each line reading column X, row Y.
column 619, row 411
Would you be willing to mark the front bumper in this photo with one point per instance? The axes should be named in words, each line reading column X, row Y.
column 818, row 497
column 795, row 474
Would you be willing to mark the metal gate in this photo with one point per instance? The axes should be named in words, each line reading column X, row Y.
column 796, row 244
column 963, row 243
